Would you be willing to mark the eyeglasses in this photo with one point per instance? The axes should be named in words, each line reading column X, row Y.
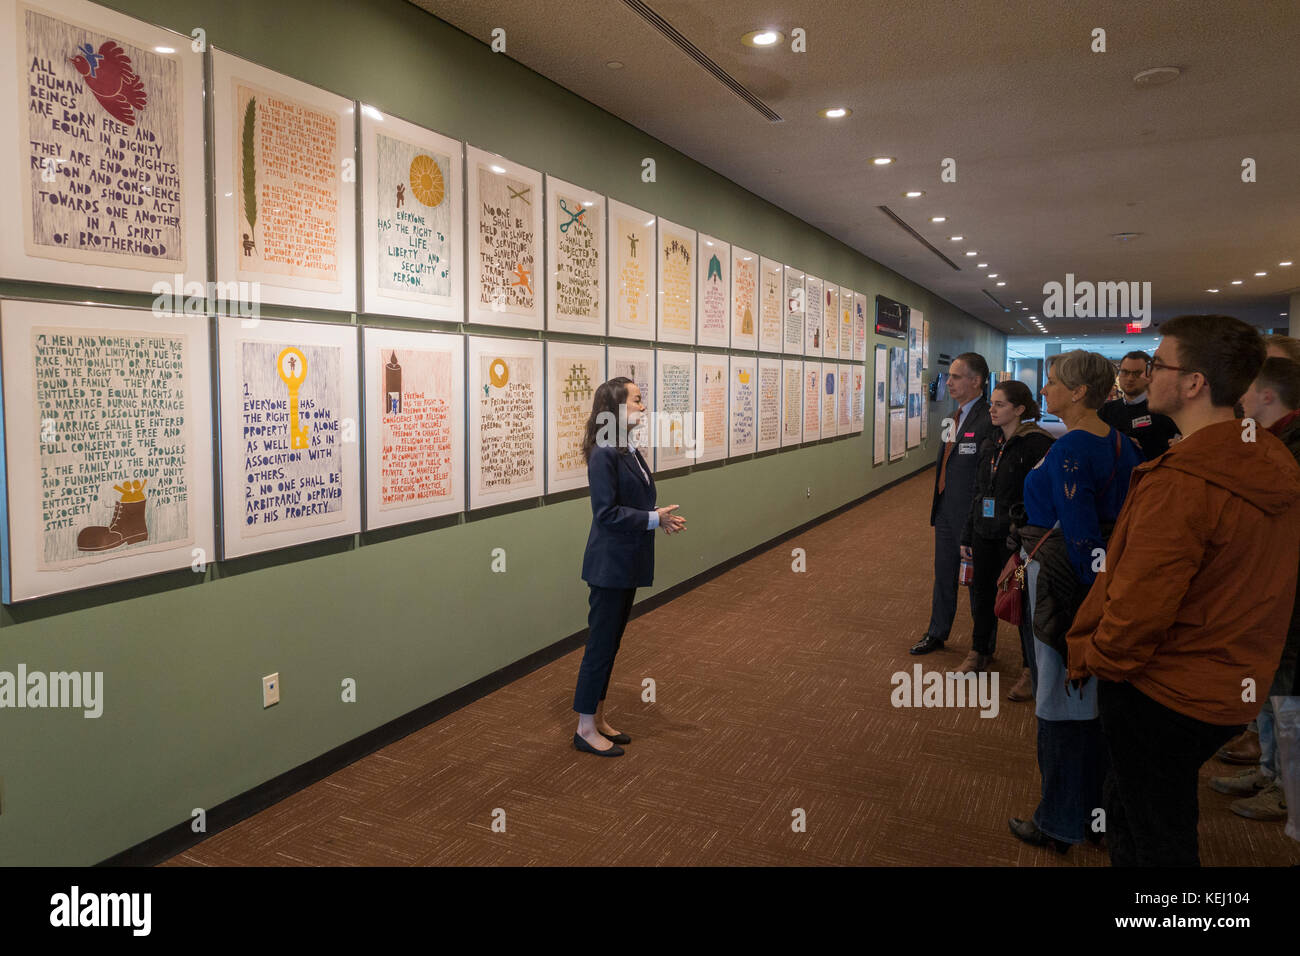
column 1129, row 371
column 1156, row 363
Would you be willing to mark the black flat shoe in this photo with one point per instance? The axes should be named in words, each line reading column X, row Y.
column 580, row 744
column 617, row 738
column 926, row 644
column 1026, row 830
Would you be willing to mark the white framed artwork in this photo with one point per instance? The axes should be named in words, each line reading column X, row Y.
column 504, row 204
column 676, row 283
column 769, row 406
column 104, row 170
column 285, row 204
column 847, row 300
column 859, row 327
column 674, row 435
column 831, row 323
column 791, row 402
column 829, row 388
column 575, row 258
column 573, row 373
column 744, row 299
column 742, row 436
column 506, row 462
column 794, row 311
column 812, row 401
column 412, row 220
column 814, row 316
column 712, row 389
column 844, row 399
column 107, row 445
column 414, row 387
column 771, row 305
column 290, row 442
column 713, row 267
column 632, row 274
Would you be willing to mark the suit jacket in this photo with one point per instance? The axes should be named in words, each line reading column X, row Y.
column 963, row 465
column 620, row 548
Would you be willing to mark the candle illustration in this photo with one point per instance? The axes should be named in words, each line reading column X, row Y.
column 393, row 386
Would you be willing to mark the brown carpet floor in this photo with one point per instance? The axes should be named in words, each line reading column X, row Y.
column 773, row 694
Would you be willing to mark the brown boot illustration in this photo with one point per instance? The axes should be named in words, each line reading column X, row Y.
column 127, row 526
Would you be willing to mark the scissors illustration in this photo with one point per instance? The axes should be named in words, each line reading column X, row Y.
column 573, row 216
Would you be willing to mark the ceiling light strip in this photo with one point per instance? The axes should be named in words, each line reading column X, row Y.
column 698, row 55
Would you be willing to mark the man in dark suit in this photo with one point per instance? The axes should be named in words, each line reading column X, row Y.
column 1129, row 413
column 954, row 485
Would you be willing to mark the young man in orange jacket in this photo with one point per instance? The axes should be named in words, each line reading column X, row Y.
column 1185, row 625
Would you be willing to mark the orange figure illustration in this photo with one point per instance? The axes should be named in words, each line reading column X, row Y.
column 127, row 525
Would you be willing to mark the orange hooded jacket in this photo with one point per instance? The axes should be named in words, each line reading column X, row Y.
column 1200, row 577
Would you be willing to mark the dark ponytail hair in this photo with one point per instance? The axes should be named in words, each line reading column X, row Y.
column 609, row 396
column 1018, row 393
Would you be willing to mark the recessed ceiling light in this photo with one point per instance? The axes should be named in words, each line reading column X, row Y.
column 1236, row 282
column 1001, row 283
column 1157, row 76
column 972, row 253
column 883, row 160
column 835, row 112
column 993, row 275
column 981, row 265
column 938, row 218
column 1018, row 301
column 1287, row 263
column 1211, row 290
column 914, row 193
column 1261, row 274
column 1024, row 308
column 762, row 38
column 956, row 238
column 614, row 64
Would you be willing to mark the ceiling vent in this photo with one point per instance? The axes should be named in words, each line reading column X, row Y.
column 698, row 55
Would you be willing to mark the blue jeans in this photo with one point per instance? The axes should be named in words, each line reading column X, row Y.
column 1073, row 761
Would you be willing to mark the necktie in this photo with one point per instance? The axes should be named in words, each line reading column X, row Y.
column 947, row 451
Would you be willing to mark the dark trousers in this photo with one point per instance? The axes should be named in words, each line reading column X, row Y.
column 947, row 563
column 1072, row 762
column 606, row 621
column 989, row 555
column 1155, row 755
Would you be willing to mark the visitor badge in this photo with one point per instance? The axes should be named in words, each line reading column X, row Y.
column 1142, row 421
column 988, row 507
column 966, row 448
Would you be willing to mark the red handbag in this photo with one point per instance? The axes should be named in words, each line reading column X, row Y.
column 1009, row 604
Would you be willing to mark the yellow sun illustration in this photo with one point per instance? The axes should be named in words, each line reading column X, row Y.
column 426, row 180
column 499, row 373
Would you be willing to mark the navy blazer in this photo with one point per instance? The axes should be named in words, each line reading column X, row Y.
column 620, row 549
column 963, row 464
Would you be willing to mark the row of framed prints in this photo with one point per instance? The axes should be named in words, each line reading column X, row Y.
column 110, row 164
column 108, row 429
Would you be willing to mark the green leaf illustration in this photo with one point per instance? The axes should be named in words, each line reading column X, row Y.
column 250, row 167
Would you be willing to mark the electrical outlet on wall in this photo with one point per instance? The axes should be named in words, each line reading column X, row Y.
column 809, row 493
column 270, row 690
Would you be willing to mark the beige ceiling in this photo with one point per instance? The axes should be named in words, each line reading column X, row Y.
column 1056, row 147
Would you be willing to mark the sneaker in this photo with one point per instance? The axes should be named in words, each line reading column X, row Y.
column 1245, row 783
column 1268, row 804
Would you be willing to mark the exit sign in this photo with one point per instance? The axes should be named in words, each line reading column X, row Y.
column 1133, row 328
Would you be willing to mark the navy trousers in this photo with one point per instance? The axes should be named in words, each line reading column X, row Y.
column 947, row 563
column 606, row 621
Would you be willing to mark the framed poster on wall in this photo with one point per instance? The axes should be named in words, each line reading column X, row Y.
column 915, row 399
column 103, row 168
column 791, row 402
column 897, row 433
column 107, row 445
column 812, row 401
column 711, row 388
column 831, row 323
column 713, row 268
column 744, row 299
column 769, row 404
column 290, row 449
column 505, row 420
column 285, row 213
column 414, row 386
column 847, row 300
column 814, row 317
column 504, row 247
column 573, row 373
column 412, row 220
column 676, row 268
column 674, row 435
column 859, row 327
column 794, row 311
column 575, row 256
column 743, row 433
column 881, row 420
column 771, row 305
column 631, row 272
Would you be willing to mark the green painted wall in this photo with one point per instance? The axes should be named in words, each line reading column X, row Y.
column 415, row 613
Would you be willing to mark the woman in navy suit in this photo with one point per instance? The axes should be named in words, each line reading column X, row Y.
column 620, row 555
